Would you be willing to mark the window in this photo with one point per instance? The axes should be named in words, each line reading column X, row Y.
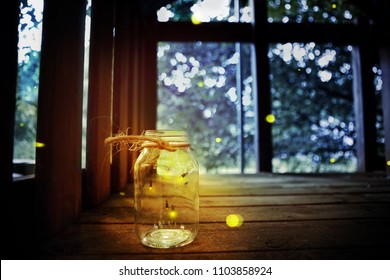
column 312, row 117
column 29, row 46
column 210, row 85
column 312, row 100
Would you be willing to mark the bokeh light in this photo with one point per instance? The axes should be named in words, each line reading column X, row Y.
column 234, row 220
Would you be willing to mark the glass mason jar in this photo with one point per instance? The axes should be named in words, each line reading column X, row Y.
column 166, row 191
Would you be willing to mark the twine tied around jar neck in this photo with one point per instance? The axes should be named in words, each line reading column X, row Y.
column 138, row 142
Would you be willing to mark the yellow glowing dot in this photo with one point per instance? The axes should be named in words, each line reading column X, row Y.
column 332, row 160
column 218, row 139
column 39, row 144
column 234, row 220
column 196, row 20
column 334, row 6
column 388, row 163
column 172, row 214
column 21, row 124
column 270, row 118
column 122, row 193
column 200, row 84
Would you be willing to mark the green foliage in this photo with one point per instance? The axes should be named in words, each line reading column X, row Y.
column 312, row 102
column 181, row 9
column 193, row 81
column 27, row 85
column 333, row 11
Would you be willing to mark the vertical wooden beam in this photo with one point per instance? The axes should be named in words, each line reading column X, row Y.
column 58, row 161
column 9, row 23
column 263, row 93
column 135, row 85
column 148, row 96
column 385, row 66
column 142, row 98
column 364, row 106
column 99, row 120
column 144, row 77
column 119, row 166
column 134, row 73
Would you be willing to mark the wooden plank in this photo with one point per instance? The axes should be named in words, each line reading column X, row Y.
column 293, row 199
column 252, row 238
column 264, row 184
column 277, row 190
column 123, row 215
column 269, row 200
column 120, row 110
column 58, row 161
column 329, row 190
column 99, row 123
column 385, row 66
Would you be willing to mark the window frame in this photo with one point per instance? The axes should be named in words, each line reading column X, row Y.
column 261, row 33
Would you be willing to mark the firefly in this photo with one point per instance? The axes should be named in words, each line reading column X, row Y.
column 172, row 213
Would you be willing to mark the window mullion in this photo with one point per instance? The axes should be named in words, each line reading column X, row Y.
column 364, row 105
column 240, row 109
column 262, row 95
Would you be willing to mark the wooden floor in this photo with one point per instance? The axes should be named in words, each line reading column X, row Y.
column 285, row 217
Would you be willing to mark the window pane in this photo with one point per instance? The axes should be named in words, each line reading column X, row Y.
column 319, row 11
column 199, row 11
column 29, row 46
column 311, row 87
column 199, row 91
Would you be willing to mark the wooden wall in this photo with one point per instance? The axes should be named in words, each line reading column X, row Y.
column 7, row 120
column 58, row 162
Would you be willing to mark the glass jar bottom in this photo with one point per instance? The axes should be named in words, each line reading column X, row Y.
column 167, row 238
